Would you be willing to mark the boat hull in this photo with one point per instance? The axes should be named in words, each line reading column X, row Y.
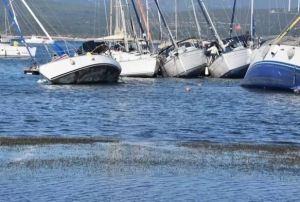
column 279, row 69
column 232, row 65
column 273, row 75
column 87, row 69
column 136, row 65
column 189, row 63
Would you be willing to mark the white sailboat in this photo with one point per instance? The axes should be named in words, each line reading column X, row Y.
column 134, row 63
column 91, row 66
column 12, row 47
column 234, row 58
column 183, row 59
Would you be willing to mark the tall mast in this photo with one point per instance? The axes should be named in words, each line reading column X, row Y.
column 133, row 29
column 176, row 20
column 166, row 25
column 232, row 18
column 110, row 17
column 147, row 14
column 298, row 5
column 139, row 20
column 196, row 19
column 106, row 19
column 160, row 27
column 124, row 26
column 37, row 20
column 289, row 6
column 252, row 31
column 211, row 24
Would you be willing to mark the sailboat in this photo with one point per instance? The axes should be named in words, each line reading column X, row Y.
column 181, row 59
column 13, row 47
column 91, row 65
column 135, row 62
column 233, row 60
column 277, row 66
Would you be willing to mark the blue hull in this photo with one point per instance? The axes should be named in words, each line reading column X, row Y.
column 273, row 75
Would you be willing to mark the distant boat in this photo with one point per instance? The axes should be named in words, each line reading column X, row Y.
column 181, row 59
column 277, row 65
column 38, row 40
column 16, row 49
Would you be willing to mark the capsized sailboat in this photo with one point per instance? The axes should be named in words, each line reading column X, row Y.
column 90, row 65
column 182, row 59
column 233, row 58
column 277, row 66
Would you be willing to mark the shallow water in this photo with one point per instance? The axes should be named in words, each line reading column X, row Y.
column 158, row 131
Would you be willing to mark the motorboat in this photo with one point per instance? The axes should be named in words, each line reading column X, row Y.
column 92, row 65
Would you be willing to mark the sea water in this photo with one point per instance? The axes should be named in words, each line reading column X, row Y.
column 171, row 140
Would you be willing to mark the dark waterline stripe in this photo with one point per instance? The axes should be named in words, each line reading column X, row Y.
column 51, row 140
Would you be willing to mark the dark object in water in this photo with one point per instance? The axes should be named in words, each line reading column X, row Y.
column 13, row 141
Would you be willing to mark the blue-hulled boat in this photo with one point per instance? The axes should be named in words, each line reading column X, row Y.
column 277, row 66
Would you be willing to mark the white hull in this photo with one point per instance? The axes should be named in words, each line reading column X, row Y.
column 7, row 50
column 232, row 64
column 188, row 62
column 135, row 64
column 85, row 69
column 36, row 40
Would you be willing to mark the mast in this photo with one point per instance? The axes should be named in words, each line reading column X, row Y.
column 176, row 20
column 124, row 26
column 211, row 24
column 139, row 21
column 232, row 18
column 37, row 20
column 289, row 6
column 160, row 27
column 196, row 19
column 147, row 17
column 110, row 18
column 298, row 6
column 133, row 29
column 166, row 25
column 252, row 28
column 106, row 19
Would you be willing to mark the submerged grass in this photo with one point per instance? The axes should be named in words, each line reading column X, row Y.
column 51, row 140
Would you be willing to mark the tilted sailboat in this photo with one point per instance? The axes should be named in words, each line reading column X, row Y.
column 184, row 59
column 91, row 66
column 277, row 65
column 234, row 58
column 11, row 47
column 137, row 62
